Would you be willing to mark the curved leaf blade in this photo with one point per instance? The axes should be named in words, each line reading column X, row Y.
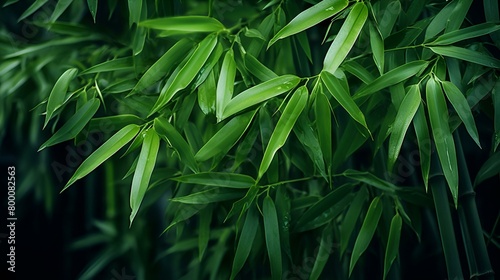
column 466, row 33
column 392, row 248
column 210, row 196
column 184, row 24
column 272, row 233
column 225, row 84
column 489, row 169
column 467, row 55
column 245, row 243
column 58, row 93
column 218, row 179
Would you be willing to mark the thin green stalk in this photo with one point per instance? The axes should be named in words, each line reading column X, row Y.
column 470, row 215
column 445, row 223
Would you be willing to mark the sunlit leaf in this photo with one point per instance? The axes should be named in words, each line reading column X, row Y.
column 184, row 24
column 225, row 84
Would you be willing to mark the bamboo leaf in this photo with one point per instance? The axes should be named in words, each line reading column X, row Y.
column 135, row 10
column 259, row 70
column 113, row 123
column 210, row 196
column 32, row 9
column 310, row 17
column 188, row 72
column 392, row 248
column 61, row 6
column 305, row 133
column 92, row 8
column 324, row 251
column 58, row 93
column 260, row 93
column 467, row 55
column 207, row 94
column 273, row 243
column 346, row 37
column 184, row 24
column 461, row 106
column 225, row 84
column 111, row 65
column 377, row 45
column 405, row 114
column 351, row 218
column 445, row 146
column 466, row 33
column 366, row 232
column 168, row 132
column 324, row 125
column 245, row 243
column 226, row 137
column 458, row 15
column 335, row 88
column 424, row 143
column 109, row 148
column 283, row 128
column 218, row 179
column 372, row 180
column 440, row 21
column 143, row 170
column 204, row 231
column 489, row 169
column 74, row 125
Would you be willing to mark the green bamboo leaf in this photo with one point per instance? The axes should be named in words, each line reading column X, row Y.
column 324, row 251
column 61, row 6
column 32, row 9
column 272, row 233
column 310, row 17
column 113, row 123
column 188, row 72
column 184, row 24
column 324, row 124
column 124, row 63
column 489, row 169
column 392, row 249
column 259, row 70
column 218, row 179
column 405, row 114
column 467, row 55
column 163, row 65
column 377, row 45
column 303, row 129
column 225, row 84
column 346, row 37
column 424, row 143
column 240, row 206
column 304, row 45
column 372, row 180
column 351, row 218
column 328, row 216
column 92, row 8
column 212, row 60
column 396, row 75
column 359, row 71
column 143, row 171
column 210, row 196
column 440, row 21
column 492, row 14
column 58, row 94
column 168, row 132
column 335, row 88
column 207, row 94
column 366, row 232
column 260, row 93
column 391, row 14
column 226, row 137
column 245, row 243
column 109, row 148
column 135, row 10
column 458, row 15
column 74, row 125
column 466, row 33
column 204, row 231
column 461, row 106
column 284, row 126
column 445, row 146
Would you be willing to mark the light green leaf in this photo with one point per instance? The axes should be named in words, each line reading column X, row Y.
column 163, row 65
column 259, row 70
column 392, row 248
column 32, row 9
column 346, row 37
column 405, row 114
column 218, row 179
column 207, row 94
column 466, row 33
column 92, row 7
column 272, row 233
column 467, row 55
column 424, row 143
column 245, row 242
column 210, row 196
column 184, row 24
column 74, row 125
column 58, row 94
column 358, row 70
column 310, row 17
column 283, row 128
column 226, row 137
column 396, row 75
column 489, row 169
column 188, row 72
column 109, row 148
column 260, row 93
column 225, row 84
column 461, row 106
column 124, row 63
column 324, row 124
column 366, row 232
column 168, row 132
column 377, row 45
column 336, row 89
column 445, row 145
column 143, row 170
column 351, row 218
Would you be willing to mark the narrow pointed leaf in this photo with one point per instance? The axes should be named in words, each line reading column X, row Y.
column 346, row 37
column 366, row 232
column 207, row 94
column 143, row 170
column 58, row 93
column 467, row 55
column 461, row 106
column 61, row 6
column 245, row 243
column 377, row 45
column 283, row 128
column 184, row 24
column 92, row 8
column 438, row 115
column 489, row 169
column 466, row 33
column 310, row 17
column 32, row 9
column 392, row 248
column 324, row 251
column 225, row 84
column 351, row 218
column 74, row 125
column 424, row 143
column 440, row 21
column 405, row 114
column 111, row 65
column 324, row 125
column 135, row 10
column 260, row 93
column 272, row 233
column 109, row 148
column 210, row 196
column 218, row 179
column 259, row 70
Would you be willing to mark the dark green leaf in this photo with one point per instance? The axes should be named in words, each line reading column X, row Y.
column 218, row 179
column 245, row 243
column 210, row 196
column 467, row 55
column 58, row 94
column 392, row 248
column 271, row 229
column 489, row 169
